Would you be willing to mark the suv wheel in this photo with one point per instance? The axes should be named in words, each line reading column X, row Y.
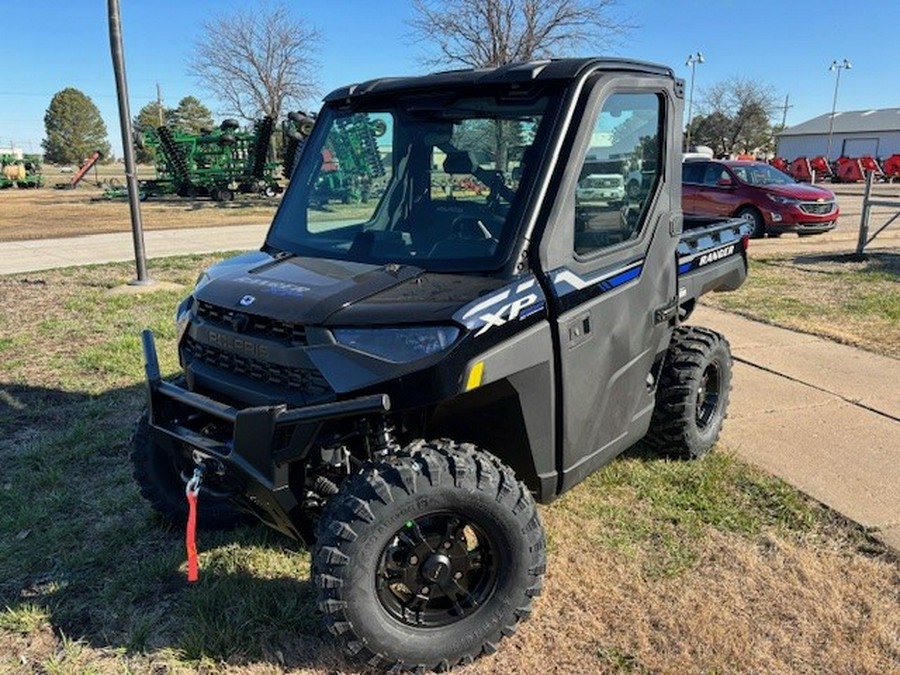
column 692, row 396
column 160, row 482
column 756, row 220
column 430, row 558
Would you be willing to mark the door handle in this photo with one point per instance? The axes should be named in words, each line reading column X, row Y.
column 666, row 313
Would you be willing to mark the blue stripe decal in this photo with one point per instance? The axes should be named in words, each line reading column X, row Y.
column 624, row 277
column 684, row 267
column 566, row 281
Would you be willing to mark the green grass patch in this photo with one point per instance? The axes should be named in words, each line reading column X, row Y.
column 26, row 618
column 836, row 296
column 658, row 511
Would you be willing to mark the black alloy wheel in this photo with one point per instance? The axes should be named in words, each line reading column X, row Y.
column 436, row 569
column 708, row 395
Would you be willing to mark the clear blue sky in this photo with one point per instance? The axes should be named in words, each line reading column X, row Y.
column 52, row 44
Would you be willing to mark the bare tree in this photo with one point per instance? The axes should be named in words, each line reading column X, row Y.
column 736, row 116
column 257, row 61
column 497, row 32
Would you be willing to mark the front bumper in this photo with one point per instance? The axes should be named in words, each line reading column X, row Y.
column 251, row 453
column 791, row 218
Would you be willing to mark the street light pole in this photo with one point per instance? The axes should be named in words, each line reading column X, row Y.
column 838, row 67
column 118, row 60
column 692, row 61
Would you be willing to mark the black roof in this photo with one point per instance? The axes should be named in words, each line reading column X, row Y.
column 533, row 71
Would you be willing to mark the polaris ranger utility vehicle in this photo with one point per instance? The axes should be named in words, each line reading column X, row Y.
column 397, row 382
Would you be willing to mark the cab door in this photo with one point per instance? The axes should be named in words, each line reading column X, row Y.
column 611, row 271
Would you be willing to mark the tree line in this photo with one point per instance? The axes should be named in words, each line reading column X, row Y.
column 74, row 128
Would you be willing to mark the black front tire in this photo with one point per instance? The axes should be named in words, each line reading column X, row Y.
column 692, row 395
column 439, row 516
column 756, row 220
column 161, row 484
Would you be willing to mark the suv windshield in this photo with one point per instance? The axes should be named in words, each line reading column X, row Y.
column 761, row 174
column 429, row 180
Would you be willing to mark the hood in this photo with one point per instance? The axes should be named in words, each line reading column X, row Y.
column 316, row 291
column 802, row 191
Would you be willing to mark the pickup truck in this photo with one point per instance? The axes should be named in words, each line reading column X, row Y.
column 398, row 382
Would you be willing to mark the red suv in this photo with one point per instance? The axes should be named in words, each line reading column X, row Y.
column 772, row 200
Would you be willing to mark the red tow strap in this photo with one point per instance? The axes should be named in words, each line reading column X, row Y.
column 190, row 535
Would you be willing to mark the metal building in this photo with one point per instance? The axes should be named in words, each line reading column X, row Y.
column 855, row 134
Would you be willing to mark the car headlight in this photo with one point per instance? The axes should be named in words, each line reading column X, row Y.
column 398, row 345
column 781, row 199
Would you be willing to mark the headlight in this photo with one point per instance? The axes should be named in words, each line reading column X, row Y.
column 399, row 345
column 782, row 200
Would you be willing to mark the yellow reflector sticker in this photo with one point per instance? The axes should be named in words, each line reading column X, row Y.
column 475, row 376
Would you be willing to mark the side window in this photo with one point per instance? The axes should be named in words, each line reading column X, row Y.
column 713, row 173
column 619, row 173
column 692, row 172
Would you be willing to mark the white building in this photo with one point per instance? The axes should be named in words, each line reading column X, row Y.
column 855, row 134
column 15, row 152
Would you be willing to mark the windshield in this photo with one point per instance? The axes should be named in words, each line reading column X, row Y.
column 761, row 174
column 434, row 181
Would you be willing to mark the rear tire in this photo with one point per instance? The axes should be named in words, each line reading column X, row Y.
column 428, row 559
column 756, row 220
column 692, row 394
column 160, row 482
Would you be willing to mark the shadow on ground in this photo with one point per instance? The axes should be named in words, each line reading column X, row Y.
column 871, row 262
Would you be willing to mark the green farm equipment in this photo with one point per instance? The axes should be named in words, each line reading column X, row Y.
column 216, row 164
column 23, row 173
column 351, row 160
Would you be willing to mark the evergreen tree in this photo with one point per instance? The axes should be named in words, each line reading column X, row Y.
column 191, row 116
column 151, row 116
column 74, row 128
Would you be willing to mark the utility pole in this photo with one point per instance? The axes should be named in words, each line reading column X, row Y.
column 159, row 108
column 846, row 65
column 784, row 110
column 118, row 59
column 692, row 61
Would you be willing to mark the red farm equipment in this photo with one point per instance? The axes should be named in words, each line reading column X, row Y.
column 801, row 170
column 891, row 168
column 821, row 167
column 779, row 163
column 809, row 169
column 89, row 163
column 854, row 169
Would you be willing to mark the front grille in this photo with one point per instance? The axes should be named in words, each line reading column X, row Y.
column 610, row 182
column 817, row 208
column 261, row 326
column 308, row 381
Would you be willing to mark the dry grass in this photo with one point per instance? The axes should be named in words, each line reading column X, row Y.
column 655, row 566
column 46, row 213
column 856, row 302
